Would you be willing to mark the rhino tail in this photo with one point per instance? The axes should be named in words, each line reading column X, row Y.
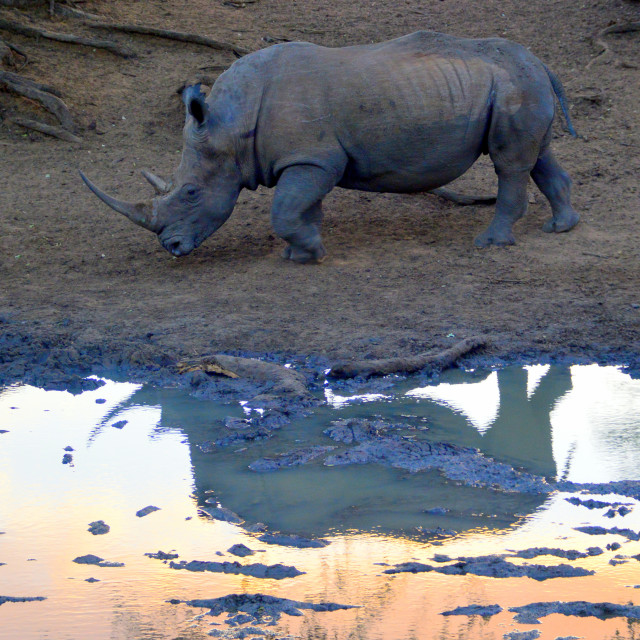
column 558, row 89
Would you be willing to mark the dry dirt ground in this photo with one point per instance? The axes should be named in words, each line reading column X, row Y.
column 402, row 275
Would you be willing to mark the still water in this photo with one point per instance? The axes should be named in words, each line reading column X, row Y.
column 129, row 446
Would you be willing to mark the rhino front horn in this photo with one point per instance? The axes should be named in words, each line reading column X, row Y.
column 141, row 213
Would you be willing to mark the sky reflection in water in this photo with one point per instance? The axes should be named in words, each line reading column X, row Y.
column 580, row 423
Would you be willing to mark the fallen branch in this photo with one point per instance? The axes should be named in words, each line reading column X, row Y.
column 285, row 381
column 56, row 132
column 462, row 199
column 434, row 362
column 34, row 32
column 180, row 36
column 605, row 51
column 41, row 93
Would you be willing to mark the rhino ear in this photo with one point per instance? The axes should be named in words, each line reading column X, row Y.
column 194, row 100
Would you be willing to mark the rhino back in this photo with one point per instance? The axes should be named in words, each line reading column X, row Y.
column 408, row 114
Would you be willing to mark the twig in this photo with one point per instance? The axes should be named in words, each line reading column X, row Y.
column 408, row 364
column 605, row 50
column 180, row 36
column 462, row 199
column 34, row 32
column 56, row 132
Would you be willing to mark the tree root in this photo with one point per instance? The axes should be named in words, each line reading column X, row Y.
column 606, row 54
column 41, row 93
column 56, row 132
column 461, row 199
column 97, row 22
column 285, row 381
column 6, row 55
column 433, row 362
column 34, row 32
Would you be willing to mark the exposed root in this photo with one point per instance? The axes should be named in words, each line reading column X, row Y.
column 285, row 381
column 41, row 93
column 7, row 51
column 461, row 199
column 434, row 362
column 606, row 54
column 180, row 36
column 56, row 132
column 34, row 32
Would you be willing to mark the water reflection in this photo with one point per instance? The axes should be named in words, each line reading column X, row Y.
column 580, row 423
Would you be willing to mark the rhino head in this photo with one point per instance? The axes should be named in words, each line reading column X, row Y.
column 205, row 186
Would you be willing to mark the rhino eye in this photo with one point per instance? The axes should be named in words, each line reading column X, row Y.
column 191, row 193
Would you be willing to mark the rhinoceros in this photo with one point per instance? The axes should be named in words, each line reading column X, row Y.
column 407, row 115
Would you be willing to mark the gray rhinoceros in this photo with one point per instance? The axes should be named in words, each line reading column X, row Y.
column 407, row 115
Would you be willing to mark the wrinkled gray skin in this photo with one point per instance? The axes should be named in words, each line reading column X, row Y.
column 408, row 115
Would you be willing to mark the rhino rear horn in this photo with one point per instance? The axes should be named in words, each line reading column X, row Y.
column 140, row 213
column 160, row 185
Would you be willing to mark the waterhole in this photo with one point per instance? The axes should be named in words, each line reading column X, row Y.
column 405, row 501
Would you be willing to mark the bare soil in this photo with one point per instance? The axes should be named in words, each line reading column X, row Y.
column 402, row 275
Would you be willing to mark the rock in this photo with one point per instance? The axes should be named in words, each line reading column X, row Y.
column 120, row 424
column 522, row 635
column 67, row 458
column 141, row 513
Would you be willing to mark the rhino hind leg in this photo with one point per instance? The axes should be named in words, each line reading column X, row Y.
column 555, row 184
column 296, row 213
column 511, row 205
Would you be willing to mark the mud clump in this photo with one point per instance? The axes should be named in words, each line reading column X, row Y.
column 494, row 567
column 261, row 609
column 241, row 550
column 162, row 555
column 475, row 610
column 258, row 570
column 4, row 599
column 531, row 613
column 292, row 458
column 98, row 528
column 294, row 541
column 461, row 464
column 97, row 561
column 600, row 531
column 222, row 513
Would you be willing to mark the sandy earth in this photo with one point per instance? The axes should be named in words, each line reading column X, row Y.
column 80, row 284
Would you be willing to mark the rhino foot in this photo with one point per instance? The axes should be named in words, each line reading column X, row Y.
column 561, row 223
column 498, row 239
column 304, row 256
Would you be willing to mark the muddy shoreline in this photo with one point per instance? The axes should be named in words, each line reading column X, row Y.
column 60, row 361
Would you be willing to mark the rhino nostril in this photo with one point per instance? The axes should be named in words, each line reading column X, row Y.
column 173, row 246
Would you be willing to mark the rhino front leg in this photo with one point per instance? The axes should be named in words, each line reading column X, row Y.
column 511, row 205
column 296, row 213
column 555, row 184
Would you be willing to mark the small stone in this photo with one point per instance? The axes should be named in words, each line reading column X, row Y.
column 67, row 458
column 100, row 400
column 119, row 424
